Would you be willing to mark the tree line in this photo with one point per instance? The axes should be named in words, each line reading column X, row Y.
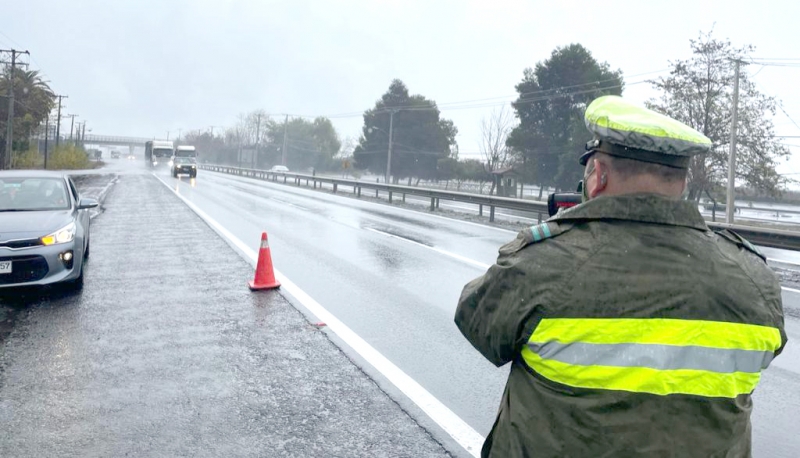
column 539, row 136
column 33, row 102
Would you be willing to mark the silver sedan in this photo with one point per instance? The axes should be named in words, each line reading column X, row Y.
column 44, row 229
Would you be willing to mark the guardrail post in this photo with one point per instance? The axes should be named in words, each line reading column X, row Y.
column 404, row 197
column 335, row 187
column 359, row 192
column 480, row 209
column 540, row 218
column 437, row 202
column 284, row 179
column 491, row 213
column 433, row 203
column 315, row 184
column 376, row 193
column 390, row 196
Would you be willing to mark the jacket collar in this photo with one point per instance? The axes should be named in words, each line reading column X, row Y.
column 645, row 208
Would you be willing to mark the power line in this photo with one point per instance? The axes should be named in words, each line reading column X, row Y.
column 790, row 118
column 546, row 94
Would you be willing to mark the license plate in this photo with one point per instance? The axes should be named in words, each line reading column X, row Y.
column 5, row 267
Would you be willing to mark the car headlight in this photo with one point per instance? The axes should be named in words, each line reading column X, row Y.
column 63, row 235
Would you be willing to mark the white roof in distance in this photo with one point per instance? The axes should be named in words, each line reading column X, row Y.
column 161, row 144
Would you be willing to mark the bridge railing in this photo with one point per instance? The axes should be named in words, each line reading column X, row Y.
column 773, row 238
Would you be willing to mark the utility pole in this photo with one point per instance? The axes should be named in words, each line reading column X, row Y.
column 83, row 135
column 179, row 134
column 46, row 136
column 258, row 134
column 389, row 155
column 58, row 125
column 71, row 124
column 730, row 207
column 285, row 137
column 10, row 125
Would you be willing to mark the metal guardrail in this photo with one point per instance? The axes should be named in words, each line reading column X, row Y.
column 773, row 238
column 435, row 195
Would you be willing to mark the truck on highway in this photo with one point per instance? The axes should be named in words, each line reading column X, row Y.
column 184, row 160
column 158, row 152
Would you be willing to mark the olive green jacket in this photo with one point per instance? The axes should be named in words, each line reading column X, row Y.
column 638, row 256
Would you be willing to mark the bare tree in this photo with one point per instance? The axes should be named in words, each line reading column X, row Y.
column 699, row 92
column 494, row 132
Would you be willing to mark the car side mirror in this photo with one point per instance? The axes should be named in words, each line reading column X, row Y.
column 86, row 203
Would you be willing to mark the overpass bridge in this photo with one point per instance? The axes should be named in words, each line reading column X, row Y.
column 114, row 140
column 103, row 140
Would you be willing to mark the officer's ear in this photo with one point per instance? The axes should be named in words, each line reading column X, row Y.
column 601, row 180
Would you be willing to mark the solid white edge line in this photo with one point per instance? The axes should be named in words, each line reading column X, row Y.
column 438, row 250
column 457, row 428
column 790, row 289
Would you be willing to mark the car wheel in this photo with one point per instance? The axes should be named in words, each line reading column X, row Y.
column 77, row 284
column 86, row 251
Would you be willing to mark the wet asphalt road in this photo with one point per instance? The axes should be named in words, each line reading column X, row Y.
column 394, row 276
column 167, row 353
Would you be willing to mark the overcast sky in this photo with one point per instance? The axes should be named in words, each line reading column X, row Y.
column 145, row 67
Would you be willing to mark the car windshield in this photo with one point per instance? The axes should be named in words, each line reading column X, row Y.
column 33, row 194
column 159, row 152
column 184, row 160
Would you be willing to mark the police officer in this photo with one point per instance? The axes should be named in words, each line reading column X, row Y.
column 632, row 329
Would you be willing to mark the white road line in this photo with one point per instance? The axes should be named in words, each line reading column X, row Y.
column 781, row 261
column 415, row 212
column 457, row 428
column 477, row 264
column 289, row 204
column 485, row 266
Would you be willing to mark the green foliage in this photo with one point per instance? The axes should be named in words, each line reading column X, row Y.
column 28, row 159
column 473, row 170
column 257, row 141
column 699, row 92
column 309, row 144
column 209, row 148
column 420, row 138
column 69, row 157
column 34, row 100
column 552, row 100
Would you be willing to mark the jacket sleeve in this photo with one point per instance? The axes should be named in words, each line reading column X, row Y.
column 498, row 311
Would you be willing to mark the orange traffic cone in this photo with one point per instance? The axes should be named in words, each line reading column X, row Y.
column 265, row 277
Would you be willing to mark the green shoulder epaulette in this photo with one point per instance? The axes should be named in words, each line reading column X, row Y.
column 741, row 242
column 535, row 234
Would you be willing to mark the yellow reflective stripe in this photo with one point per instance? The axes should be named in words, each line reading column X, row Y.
column 644, row 380
column 713, row 334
